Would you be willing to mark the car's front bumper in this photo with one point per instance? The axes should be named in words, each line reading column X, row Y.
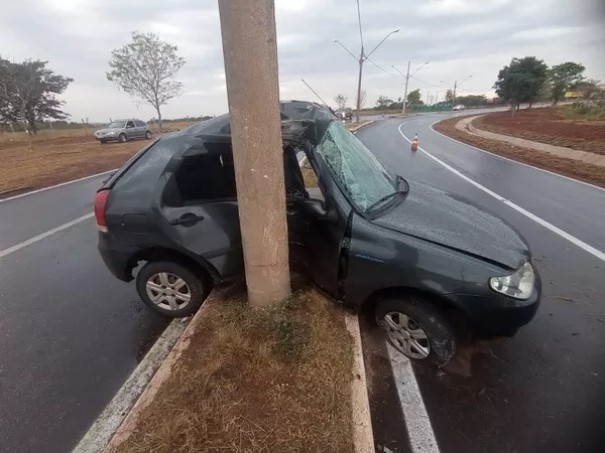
column 494, row 314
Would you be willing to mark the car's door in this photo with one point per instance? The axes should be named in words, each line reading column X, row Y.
column 325, row 216
column 199, row 208
column 131, row 131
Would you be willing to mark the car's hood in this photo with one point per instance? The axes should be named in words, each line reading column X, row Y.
column 447, row 219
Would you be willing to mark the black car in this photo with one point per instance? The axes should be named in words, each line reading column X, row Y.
column 413, row 255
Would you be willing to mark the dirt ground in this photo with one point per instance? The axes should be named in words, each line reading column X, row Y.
column 547, row 125
column 568, row 167
column 60, row 156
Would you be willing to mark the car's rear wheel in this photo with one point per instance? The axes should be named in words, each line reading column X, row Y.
column 148, row 135
column 171, row 289
column 103, row 142
column 122, row 138
column 417, row 328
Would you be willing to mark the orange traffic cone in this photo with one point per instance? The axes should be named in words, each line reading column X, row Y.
column 415, row 143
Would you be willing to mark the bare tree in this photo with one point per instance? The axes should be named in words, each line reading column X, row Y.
column 341, row 101
column 145, row 69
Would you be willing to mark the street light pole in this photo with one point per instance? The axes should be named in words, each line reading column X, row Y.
column 405, row 92
column 407, row 79
column 362, row 58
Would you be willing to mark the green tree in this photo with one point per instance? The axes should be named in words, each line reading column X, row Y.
column 28, row 93
column 521, row 81
column 145, row 68
column 341, row 101
column 383, row 103
column 414, row 98
column 562, row 77
column 472, row 100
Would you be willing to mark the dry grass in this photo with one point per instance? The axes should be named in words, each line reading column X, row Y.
column 568, row 167
column 272, row 380
column 59, row 156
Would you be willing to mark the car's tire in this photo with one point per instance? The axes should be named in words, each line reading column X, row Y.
column 148, row 135
column 171, row 288
column 103, row 142
column 417, row 328
column 122, row 138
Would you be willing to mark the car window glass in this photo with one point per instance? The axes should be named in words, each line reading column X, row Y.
column 361, row 174
column 139, row 123
column 139, row 182
column 204, row 177
column 130, row 124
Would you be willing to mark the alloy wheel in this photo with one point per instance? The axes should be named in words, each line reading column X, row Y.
column 168, row 291
column 406, row 335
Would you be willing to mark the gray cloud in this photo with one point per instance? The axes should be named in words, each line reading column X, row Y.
column 458, row 37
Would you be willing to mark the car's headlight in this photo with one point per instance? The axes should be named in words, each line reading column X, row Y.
column 519, row 285
column 111, row 133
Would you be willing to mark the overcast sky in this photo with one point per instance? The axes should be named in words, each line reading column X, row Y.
column 458, row 37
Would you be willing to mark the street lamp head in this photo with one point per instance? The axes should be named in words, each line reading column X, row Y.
column 396, row 30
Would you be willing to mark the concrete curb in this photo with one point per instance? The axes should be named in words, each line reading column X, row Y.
column 466, row 125
column 129, row 424
column 361, row 126
column 363, row 437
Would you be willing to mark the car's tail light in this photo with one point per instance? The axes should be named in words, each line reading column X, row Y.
column 100, row 205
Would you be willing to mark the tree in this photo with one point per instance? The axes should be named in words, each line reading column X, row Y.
column 472, row 100
column 27, row 93
column 449, row 96
column 145, row 69
column 383, row 103
column 591, row 89
column 562, row 77
column 414, row 98
column 521, row 81
column 341, row 101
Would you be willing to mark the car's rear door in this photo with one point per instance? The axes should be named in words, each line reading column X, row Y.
column 199, row 210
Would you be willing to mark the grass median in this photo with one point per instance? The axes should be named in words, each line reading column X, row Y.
column 575, row 169
column 262, row 380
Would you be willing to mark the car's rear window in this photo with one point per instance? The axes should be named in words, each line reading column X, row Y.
column 136, row 185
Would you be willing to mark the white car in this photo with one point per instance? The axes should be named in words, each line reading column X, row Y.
column 458, row 107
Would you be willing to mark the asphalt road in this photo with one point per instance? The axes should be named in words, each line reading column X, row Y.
column 70, row 333
column 544, row 389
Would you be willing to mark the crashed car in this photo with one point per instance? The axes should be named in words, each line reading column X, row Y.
column 413, row 256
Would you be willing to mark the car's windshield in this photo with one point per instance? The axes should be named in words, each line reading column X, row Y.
column 115, row 124
column 360, row 173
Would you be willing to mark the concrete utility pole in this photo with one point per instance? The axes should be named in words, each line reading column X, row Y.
column 407, row 79
column 454, row 90
column 250, row 53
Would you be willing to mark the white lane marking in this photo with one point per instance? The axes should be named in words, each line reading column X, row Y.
column 417, row 421
column 592, row 186
column 44, row 189
column 574, row 240
column 44, row 235
column 98, row 436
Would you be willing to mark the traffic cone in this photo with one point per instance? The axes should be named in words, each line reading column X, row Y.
column 415, row 143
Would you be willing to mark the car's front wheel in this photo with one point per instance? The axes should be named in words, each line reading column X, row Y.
column 417, row 328
column 171, row 289
column 122, row 138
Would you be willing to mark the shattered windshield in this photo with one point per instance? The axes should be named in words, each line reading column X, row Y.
column 361, row 174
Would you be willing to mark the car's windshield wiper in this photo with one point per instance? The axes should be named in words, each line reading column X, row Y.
column 400, row 191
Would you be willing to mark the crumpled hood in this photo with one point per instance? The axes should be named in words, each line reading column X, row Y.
column 447, row 219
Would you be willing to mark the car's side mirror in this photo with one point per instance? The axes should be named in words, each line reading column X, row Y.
column 316, row 209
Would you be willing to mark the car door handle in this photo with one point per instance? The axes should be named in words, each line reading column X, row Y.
column 187, row 218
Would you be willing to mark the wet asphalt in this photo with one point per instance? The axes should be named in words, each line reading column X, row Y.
column 70, row 333
column 544, row 389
